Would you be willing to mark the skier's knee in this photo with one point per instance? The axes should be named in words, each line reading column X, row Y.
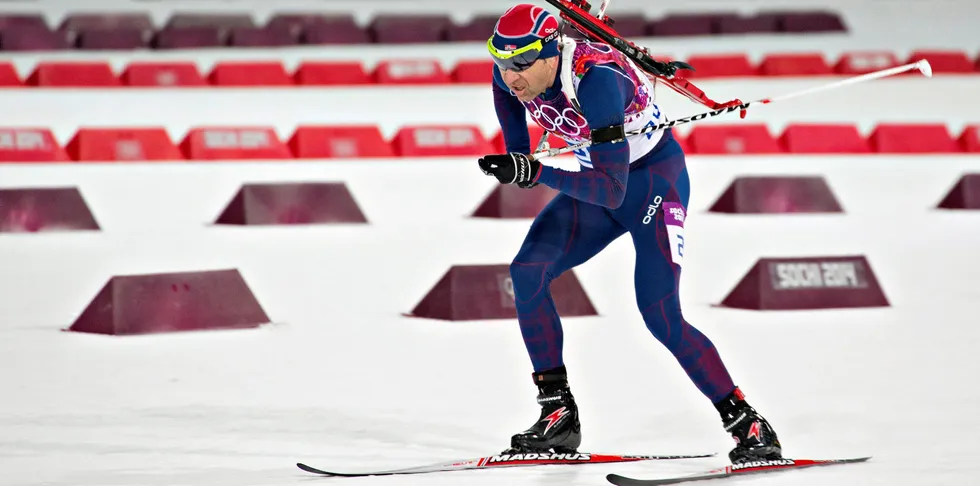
column 663, row 318
column 530, row 278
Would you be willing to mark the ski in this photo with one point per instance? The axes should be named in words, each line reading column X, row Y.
column 754, row 467
column 506, row 460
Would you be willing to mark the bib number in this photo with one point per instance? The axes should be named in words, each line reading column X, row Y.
column 674, row 216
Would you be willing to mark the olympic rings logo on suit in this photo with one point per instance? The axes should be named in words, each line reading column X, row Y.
column 565, row 121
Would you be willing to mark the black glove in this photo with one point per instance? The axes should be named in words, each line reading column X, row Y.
column 511, row 168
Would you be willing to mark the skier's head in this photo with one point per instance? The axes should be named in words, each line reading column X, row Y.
column 524, row 46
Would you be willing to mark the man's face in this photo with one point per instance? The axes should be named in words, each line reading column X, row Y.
column 531, row 82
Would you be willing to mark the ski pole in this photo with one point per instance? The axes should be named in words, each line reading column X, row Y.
column 922, row 65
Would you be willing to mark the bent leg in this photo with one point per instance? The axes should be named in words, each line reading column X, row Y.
column 566, row 233
column 654, row 214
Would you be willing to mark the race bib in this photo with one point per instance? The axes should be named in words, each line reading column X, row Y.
column 674, row 219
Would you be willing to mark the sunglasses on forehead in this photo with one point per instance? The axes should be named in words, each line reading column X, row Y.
column 519, row 59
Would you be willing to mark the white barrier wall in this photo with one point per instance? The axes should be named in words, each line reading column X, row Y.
column 907, row 99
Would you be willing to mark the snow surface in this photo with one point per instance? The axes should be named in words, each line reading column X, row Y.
column 341, row 380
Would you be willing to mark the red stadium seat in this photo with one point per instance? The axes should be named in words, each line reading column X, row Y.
column 854, row 63
column 77, row 22
column 260, row 37
column 812, row 21
column 312, row 142
column 944, row 61
column 243, row 73
column 163, row 74
column 688, row 24
column 749, row 24
column 188, row 38
column 334, row 29
column 970, row 138
column 222, row 143
column 480, row 72
column 223, row 21
column 9, row 76
column 331, row 73
column 732, row 139
column 29, row 144
column 807, row 138
column 802, row 64
column 124, row 144
column 407, row 28
column 410, row 71
column 112, row 39
column 912, row 138
column 29, row 37
column 440, row 140
column 476, row 29
column 21, row 20
column 720, row 65
column 73, row 73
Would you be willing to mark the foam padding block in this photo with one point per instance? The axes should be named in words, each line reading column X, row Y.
column 777, row 194
column 807, row 283
column 509, row 201
column 172, row 302
column 964, row 195
column 31, row 210
column 476, row 292
column 292, row 203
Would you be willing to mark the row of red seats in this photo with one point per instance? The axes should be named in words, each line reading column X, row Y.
column 230, row 143
column 431, row 71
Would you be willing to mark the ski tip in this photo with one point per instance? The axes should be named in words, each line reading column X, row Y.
column 619, row 480
column 308, row 469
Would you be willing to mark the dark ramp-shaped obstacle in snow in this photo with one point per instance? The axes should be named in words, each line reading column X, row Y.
column 172, row 302
column 964, row 195
column 807, row 283
column 31, row 210
column 508, row 201
column 777, row 194
column 291, row 204
column 474, row 292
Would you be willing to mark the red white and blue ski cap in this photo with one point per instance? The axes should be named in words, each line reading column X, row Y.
column 523, row 24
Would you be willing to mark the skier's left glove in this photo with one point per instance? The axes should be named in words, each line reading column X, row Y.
column 513, row 168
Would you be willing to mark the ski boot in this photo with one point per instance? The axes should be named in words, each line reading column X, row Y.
column 558, row 428
column 754, row 438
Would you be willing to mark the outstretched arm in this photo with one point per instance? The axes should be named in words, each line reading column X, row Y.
column 603, row 94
